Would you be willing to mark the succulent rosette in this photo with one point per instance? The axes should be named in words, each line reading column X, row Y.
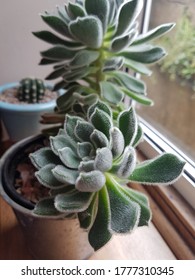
column 87, row 167
column 92, row 42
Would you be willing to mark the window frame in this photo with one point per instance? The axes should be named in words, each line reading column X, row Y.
column 155, row 143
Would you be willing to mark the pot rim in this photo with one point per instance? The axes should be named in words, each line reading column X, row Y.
column 26, row 107
column 16, row 206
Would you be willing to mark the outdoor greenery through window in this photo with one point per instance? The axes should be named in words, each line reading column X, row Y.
column 172, row 85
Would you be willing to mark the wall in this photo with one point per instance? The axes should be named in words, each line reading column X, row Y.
column 19, row 48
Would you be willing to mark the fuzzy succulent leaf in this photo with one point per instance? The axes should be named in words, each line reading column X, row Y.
column 58, row 53
column 101, row 106
column 73, row 202
column 57, row 24
column 137, row 66
column 128, row 125
column 165, row 169
column 75, row 10
column 69, row 157
column 46, row 178
column 58, row 142
column 129, row 82
column 125, row 166
column 84, row 149
column 103, row 159
column 117, row 142
column 99, row 233
column 113, row 63
column 101, row 121
column 83, row 58
column 46, row 207
column 87, row 217
column 43, row 157
column 127, row 15
column 138, row 97
column 143, row 202
column 87, row 30
column 111, row 92
column 100, row 9
column 125, row 213
column 121, row 43
column 146, row 57
column 154, row 33
column 83, row 130
column 99, row 139
column 139, row 136
column 91, row 181
column 64, row 174
column 53, row 39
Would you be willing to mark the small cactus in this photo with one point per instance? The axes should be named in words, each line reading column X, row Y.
column 31, row 90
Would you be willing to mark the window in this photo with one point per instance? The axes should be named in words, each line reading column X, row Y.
column 173, row 115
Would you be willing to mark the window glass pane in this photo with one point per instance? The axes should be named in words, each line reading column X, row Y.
column 172, row 85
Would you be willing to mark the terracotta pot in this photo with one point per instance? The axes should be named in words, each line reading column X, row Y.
column 46, row 238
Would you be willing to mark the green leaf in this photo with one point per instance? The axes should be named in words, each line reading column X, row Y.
column 69, row 157
column 117, row 142
column 63, row 99
column 56, row 74
column 86, row 166
column 100, row 105
column 121, row 43
column 143, row 202
column 137, row 67
column 125, row 213
column 103, row 159
column 125, row 166
column 127, row 123
column 51, row 38
column 154, row 33
column 42, row 157
column 46, row 178
column 111, row 92
column 84, row 58
column 127, row 15
column 83, row 130
column 73, row 202
column 113, row 63
column 99, row 8
column 149, row 56
column 164, row 169
column 87, row 30
column 91, row 181
column 45, row 207
column 139, row 136
column 75, row 10
column 57, row 24
column 129, row 82
column 99, row 233
column 45, row 61
column 87, row 217
column 58, row 53
column 65, row 175
column 84, row 149
column 99, row 139
column 101, row 121
column 70, row 125
column 59, row 142
column 138, row 97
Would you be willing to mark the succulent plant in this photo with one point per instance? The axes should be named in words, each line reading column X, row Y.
column 93, row 41
column 31, row 90
column 87, row 167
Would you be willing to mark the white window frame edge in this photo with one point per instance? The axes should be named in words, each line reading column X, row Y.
column 155, row 143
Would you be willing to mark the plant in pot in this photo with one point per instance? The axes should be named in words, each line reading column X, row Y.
column 87, row 165
column 21, row 106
